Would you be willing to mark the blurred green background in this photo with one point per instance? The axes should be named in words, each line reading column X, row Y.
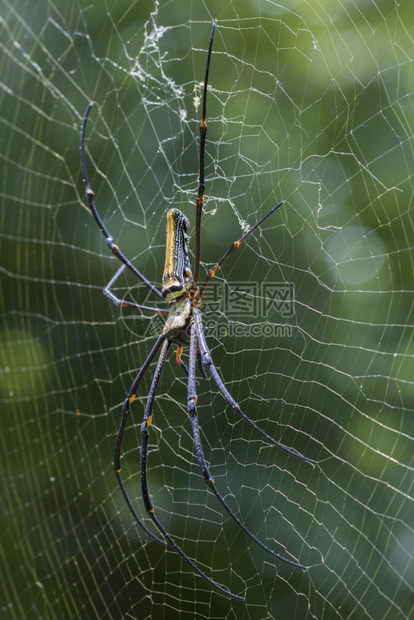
column 310, row 102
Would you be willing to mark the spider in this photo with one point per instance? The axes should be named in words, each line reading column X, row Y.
column 183, row 327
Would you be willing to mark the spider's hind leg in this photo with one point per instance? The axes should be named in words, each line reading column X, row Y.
column 90, row 195
column 121, row 303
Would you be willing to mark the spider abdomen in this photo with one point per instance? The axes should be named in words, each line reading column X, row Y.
column 177, row 279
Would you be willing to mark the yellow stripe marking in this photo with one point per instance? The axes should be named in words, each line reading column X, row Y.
column 169, row 250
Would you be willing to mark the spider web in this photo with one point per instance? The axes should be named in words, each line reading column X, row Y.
column 312, row 103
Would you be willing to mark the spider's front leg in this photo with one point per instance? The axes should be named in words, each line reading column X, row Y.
column 192, row 412
column 118, row 444
column 208, row 362
column 146, row 423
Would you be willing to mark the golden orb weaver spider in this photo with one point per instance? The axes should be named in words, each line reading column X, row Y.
column 183, row 327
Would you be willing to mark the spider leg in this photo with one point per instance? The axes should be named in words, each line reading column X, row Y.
column 90, row 196
column 192, row 412
column 147, row 420
column 236, row 244
column 200, row 365
column 128, row 304
column 201, row 181
column 207, row 361
column 118, row 445
column 181, row 362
